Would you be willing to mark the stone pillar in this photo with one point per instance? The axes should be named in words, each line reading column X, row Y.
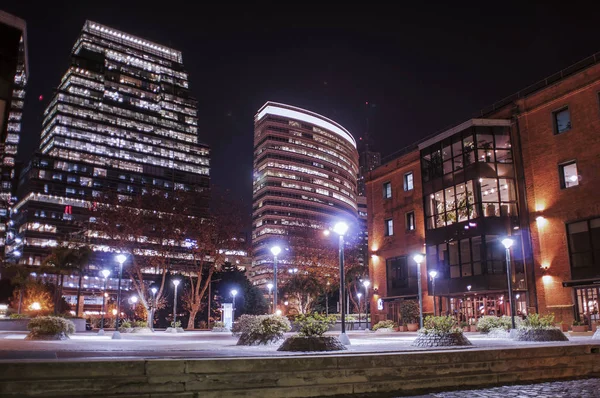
column 80, row 312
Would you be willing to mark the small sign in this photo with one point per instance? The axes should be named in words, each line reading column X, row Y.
column 380, row 304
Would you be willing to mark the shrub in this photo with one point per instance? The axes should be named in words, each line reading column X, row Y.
column 440, row 325
column 314, row 325
column 536, row 321
column 464, row 324
column 18, row 316
column 218, row 325
column 50, row 325
column 578, row 323
column 409, row 311
column 140, row 324
column 125, row 325
column 489, row 322
column 260, row 329
column 176, row 324
column 387, row 324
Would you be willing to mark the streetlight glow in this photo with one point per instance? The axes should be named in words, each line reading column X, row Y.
column 275, row 250
column 176, row 282
column 366, row 284
column 418, row 258
column 359, row 295
column 340, row 228
column 154, row 290
column 433, row 274
column 35, row 306
column 326, row 232
column 269, row 286
column 507, row 242
column 105, row 273
column 134, row 299
column 234, row 292
column 121, row 258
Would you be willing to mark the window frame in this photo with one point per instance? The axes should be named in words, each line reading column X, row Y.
column 385, row 190
column 386, row 224
column 555, row 120
column 412, row 182
column 561, row 174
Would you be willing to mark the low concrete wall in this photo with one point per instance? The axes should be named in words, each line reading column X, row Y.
column 308, row 376
column 20, row 325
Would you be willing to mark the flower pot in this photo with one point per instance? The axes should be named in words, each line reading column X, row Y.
column 473, row 328
column 562, row 326
column 412, row 327
column 402, row 328
column 580, row 329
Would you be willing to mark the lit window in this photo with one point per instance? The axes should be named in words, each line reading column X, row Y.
column 410, row 221
column 387, row 190
column 408, row 181
column 389, row 227
column 562, row 121
column 568, row 175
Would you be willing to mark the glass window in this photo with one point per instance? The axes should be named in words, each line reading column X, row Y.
column 387, row 190
column 389, row 227
column 580, row 244
column 568, row 175
column 503, row 156
column 562, row 121
column 495, row 255
column 410, row 221
column 469, row 150
column 408, row 182
column 465, row 257
column 397, row 272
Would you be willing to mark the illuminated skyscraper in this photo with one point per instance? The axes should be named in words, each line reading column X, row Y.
column 13, row 78
column 122, row 120
column 305, row 168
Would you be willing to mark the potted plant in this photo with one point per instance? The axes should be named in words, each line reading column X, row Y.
column 465, row 326
column 579, row 327
column 409, row 311
column 402, row 327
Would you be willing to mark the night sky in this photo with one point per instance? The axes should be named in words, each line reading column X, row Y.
column 421, row 70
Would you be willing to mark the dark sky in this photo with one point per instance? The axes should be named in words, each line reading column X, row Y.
column 425, row 67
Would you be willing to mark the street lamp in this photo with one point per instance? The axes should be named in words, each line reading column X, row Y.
column 233, row 293
column 105, row 273
column 120, row 259
column 359, row 295
column 508, row 242
column 366, row 284
column 419, row 259
column 433, row 274
column 275, row 250
column 153, row 307
column 270, row 287
column 341, row 228
column 175, row 283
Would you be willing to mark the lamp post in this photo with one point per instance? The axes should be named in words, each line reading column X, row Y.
column 120, row 259
column 153, row 290
column 270, row 287
column 433, row 274
column 366, row 284
column 359, row 295
column 175, row 283
column 275, row 250
column 105, row 273
column 233, row 293
column 419, row 259
column 508, row 242
column 341, row 228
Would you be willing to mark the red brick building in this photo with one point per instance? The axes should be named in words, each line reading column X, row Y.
column 524, row 168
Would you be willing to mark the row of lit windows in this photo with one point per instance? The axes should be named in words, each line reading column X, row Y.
column 316, row 181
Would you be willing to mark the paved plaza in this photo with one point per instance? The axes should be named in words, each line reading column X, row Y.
column 204, row 344
column 586, row 388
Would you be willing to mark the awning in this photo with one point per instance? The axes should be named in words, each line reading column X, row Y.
column 582, row 282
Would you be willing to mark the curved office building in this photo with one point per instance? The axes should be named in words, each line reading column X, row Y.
column 305, row 172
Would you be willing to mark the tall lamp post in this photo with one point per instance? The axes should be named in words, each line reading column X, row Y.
column 175, row 283
column 359, row 295
column 153, row 290
column 275, row 250
column 419, row 259
column 507, row 242
column 105, row 273
column 120, row 259
column 341, row 228
column 366, row 284
column 433, row 274
column 233, row 293
column 270, row 287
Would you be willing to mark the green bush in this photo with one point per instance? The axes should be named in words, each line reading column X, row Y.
column 464, row 324
column 19, row 316
column 440, row 325
column 124, row 325
column 50, row 325
column 140, row 324
column 218, row 325
column 314, row 325
column 176, row 324
column 489, row 322
column 260, row 329
column 537, row 321
column 409, row 311
column 387, row 324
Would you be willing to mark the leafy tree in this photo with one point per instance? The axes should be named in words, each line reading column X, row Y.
column 250, row 299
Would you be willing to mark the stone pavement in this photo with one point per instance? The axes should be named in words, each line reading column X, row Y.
column 586, row 388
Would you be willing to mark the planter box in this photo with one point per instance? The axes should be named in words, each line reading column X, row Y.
column 580, row 329
column 402, row 328
column 412, row 327
column 466, row 329
column 21, row 324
